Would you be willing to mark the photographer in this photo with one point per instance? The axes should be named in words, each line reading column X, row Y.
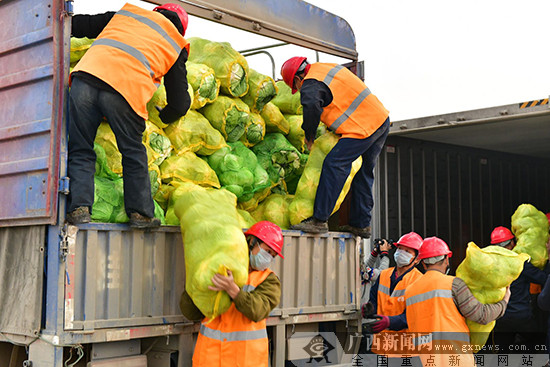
column 386, row 296
column 377, row 261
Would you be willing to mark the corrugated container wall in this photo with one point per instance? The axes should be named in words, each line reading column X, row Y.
column 31, row 96
column 118, row 277
column 456, row 193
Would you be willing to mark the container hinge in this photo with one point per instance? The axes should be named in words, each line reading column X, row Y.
column 69, row 7
column 64, row 185
column 67, row 238
column 63, row 243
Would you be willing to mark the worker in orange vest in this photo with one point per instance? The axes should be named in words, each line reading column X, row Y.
column 518, row 323
column 238, row 337
column 134, row 48
column 332, row 94
column 388, row 292
column 388, row 296
column 438, row 306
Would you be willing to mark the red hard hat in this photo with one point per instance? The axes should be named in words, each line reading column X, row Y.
column 289, row 70
column 410, row 240
column 182, row 14
column 270, row 233
column 432, row 247
column 500, row 234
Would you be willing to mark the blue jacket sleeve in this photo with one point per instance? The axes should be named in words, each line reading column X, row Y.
column 535, row 275
column 398, row 322
column 544, row 296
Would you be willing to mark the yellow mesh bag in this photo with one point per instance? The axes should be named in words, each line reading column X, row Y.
column 229, row 116
column 159, row 99
column 193, row 133
column 503, row 265
column 304, row 199
column 158, row 144
column 254, row 131
column 79, row 46
column 275, row 122
column 530, row 226
column 106, row 138
column 286, row 101
column 274, row 209
column 205, row 85
column 245, row 219
column 296, row 135
column 230, row 67
column 213, row 242
column 188, row 168
column 262, row 89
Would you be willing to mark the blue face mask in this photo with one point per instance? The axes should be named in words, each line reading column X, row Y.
column 402, row 258
column 261, row 260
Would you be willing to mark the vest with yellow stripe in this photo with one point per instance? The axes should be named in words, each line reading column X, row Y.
column 140, row 46
column 436, row 322
column 232, row 339
column 393, row 304
column 354, row 111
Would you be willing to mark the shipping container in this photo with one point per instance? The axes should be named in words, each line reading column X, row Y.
column 104, row 289
column 459, row 175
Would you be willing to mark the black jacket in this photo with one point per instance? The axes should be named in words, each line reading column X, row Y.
column 175, row 80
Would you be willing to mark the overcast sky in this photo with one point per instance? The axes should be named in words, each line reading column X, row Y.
column 422, row 57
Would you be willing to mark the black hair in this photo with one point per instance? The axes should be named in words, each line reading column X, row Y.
column 173, row 17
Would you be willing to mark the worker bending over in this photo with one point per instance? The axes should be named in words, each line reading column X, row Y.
column 116, row 77
column 332, row 94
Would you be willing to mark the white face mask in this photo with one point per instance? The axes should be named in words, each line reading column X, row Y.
column 402, row 258
column 261, row 260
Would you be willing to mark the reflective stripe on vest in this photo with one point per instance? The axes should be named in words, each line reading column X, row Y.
column 132, row 53
column 351, row 109
column 440, row 293
column 154, row 26
column 332, row 73
column 356, row 102
column 233, row 336
column 354, row 111
column 126, row 48
column 386, row 291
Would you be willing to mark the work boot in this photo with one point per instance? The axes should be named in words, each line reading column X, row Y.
column 311, row 225
column 139, row 221
column 361, row 232
column 80, row 215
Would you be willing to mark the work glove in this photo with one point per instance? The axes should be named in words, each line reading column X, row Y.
column 367, row 310
column 382, row 324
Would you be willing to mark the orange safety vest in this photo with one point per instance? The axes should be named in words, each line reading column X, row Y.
column 232, row 339
column 392, row 305
column 132, row 53
column 439, row 330
column 354, row 111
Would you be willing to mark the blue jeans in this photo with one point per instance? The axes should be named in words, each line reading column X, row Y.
column 87, row 107
column 336, row 169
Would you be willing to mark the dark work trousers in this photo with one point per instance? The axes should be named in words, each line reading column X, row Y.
column 87, row 107
column 336, row 169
